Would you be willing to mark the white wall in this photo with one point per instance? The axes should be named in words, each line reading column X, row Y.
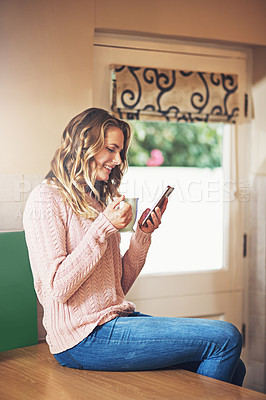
column 241, row 21
column 256, row 377
column 45, row 77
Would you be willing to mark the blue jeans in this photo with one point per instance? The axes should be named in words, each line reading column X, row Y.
column 141, row 342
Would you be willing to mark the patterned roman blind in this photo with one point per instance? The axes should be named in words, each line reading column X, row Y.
column 173, row 95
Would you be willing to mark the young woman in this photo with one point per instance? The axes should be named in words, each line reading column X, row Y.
column 72, row 222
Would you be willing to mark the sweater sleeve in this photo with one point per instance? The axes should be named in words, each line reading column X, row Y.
column 134, row 259
column 45, row 224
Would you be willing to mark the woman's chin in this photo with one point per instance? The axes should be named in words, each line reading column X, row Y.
column 102, row 178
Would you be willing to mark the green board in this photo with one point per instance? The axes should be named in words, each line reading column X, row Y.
column 18, row 305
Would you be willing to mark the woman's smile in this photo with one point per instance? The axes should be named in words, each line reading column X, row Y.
column 109, row 157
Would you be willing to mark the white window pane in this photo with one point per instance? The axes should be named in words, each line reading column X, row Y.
column 190, row 237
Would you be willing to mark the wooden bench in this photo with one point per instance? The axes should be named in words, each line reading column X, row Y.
column 32, row 373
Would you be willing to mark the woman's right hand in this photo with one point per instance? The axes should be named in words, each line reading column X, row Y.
column 119, row 217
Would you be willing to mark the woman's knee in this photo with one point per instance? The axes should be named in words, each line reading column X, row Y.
column 232, row 334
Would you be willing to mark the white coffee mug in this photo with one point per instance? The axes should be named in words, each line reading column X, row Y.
column 133, row 201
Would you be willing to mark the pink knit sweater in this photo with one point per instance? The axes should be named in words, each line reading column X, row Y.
column 79, row 275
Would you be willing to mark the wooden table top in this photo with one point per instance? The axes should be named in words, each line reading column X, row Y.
column 32, row 373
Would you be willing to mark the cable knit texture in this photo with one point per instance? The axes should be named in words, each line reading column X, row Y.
column 79, row 275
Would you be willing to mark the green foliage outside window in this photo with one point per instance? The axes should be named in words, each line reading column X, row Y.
column 175, row 144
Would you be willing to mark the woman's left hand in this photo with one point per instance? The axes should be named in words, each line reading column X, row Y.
column 156, row 217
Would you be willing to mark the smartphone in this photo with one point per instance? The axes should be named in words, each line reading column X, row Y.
column 159, row 202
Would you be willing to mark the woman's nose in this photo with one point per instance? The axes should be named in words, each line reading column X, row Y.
column 117, row 160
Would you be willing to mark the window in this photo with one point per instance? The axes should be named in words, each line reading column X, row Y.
column 161, row 292
column 189, row 157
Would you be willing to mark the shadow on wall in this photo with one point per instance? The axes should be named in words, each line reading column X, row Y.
column 256, row 328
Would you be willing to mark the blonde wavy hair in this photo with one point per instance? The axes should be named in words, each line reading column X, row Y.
column 73, row 169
